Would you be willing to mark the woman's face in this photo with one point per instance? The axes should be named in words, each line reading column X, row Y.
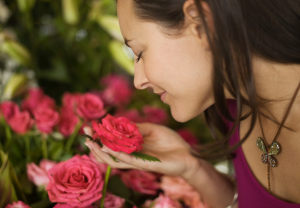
column 179, row 66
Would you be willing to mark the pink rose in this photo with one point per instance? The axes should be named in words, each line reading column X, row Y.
column 133, row 115
column 118, row 90
column 103, row 166
column 112, row 201
column 68, row 121
column 90, row 107
column 141, row 181
column 69, row 206
column 21, row 122
column 178, row 189
column 18, row 204
column 37, row 98
column 46, row 119
column 8, row 109
column 77, row 182
column 162, row 202
column 70, row 100
column 39, row 174
column 119, row 134
column 155, row 115
column 188, row 136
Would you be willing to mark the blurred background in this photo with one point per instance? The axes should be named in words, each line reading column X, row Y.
column 75, row 47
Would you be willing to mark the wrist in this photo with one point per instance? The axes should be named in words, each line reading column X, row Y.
column 194, row 169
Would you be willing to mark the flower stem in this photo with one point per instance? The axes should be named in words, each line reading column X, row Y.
column 72, row 137
column 105, row 186
column 27, row 146
column 44, row 148
column 7, row 132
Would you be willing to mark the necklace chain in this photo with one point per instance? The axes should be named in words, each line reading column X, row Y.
column 276, row 136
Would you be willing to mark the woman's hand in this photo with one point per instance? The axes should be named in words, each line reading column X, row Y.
column 160, row 142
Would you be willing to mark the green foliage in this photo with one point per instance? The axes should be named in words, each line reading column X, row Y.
column 145, row 157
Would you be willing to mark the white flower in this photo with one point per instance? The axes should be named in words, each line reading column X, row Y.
column 4, row 12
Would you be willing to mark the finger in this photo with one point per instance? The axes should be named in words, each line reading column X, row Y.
column 129, row 159
column 89, row 131
column 105, row 158
column 145, row 128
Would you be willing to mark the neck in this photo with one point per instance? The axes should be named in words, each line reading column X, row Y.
column 275, row 86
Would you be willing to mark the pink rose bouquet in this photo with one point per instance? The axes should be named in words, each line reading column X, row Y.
column 112, row 201
column 18, row 204
column 68, row 121
column 8, row 109
column 141, row 181
column 155, row 115
column 69, row 206
column 46, row 118
column 188, row 136
column 119, row 134
column 39, row 174
column 77, row 182
column 21, row 122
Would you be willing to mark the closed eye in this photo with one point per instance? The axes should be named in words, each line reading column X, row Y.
column 139, row 57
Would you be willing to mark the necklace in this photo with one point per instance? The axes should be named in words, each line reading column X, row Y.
column 274, row 148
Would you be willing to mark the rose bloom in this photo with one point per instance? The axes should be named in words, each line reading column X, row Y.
column 70, row 100
column 39, row 174
column 18, row 204
column 119, row 134
column 188, row 136
column 162, row 202
column 8, row 109
column 103, row 166
column 155, row 115
column 178, row 189
column 90, row 107
column 133, row 115
column 69, row 206
column 141, row 181
column 77, row 182
column 112, row 201
column 118, row 90
column 37, row 98
column 46, row 119
column 21, row 122
column 68, row 121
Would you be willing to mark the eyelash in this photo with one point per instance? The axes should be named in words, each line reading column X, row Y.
column 139, row 57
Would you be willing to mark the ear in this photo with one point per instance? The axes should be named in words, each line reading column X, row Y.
column 194, row 21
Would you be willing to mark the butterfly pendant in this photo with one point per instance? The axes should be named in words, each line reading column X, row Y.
column 267, row 153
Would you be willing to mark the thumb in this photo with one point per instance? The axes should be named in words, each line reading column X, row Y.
column 146, row 129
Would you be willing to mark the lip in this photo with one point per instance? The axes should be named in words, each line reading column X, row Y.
column 163, row 95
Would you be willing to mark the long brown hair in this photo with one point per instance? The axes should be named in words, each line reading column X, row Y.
column 270, row 29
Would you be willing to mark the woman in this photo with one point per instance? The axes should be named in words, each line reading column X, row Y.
column 199, row 54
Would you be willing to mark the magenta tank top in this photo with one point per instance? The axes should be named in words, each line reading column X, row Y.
column 251, row 193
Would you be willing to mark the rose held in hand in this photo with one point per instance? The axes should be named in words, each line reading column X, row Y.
column 119, row 134
column 77, row 182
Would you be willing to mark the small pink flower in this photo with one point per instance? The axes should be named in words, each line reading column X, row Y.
column 37, row 98
column 112, row 201
column 69, row 206
column 46, row 118
column 178, row 189
column 39, row 174
column 8, row 109
column 162, row 202
column 118, row 90
column 70, row 100
column 77, row 182
column 141, row 181
column 188, row 136
column 68, row 121
column 90, row 107
column 18, row 204
column 21, row 122
column 155, row 115
column 103, row 166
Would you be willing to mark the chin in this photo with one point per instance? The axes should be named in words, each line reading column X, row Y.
column 181, row 116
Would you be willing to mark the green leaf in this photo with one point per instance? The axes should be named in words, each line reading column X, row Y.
column 145, row 157
column 98, row 141
column 114, row 158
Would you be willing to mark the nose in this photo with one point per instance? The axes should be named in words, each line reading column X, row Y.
column 140, row 79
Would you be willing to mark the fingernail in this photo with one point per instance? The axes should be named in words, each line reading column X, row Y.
column 88, row 145
column 104, row 150
column 85, row 129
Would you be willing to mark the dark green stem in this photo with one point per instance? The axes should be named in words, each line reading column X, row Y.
column 105, row 186
column 8, row 133
column 27, row 146
column 44, row 148
column 72, row 137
